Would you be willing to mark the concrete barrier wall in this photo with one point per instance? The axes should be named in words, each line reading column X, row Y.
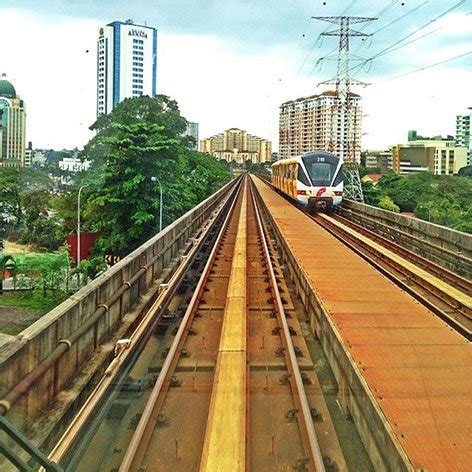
column 450, row 248
column 21, row 355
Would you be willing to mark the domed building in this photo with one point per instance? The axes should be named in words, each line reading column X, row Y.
column 12, row 126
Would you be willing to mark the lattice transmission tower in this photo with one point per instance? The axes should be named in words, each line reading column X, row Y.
column 343, row 121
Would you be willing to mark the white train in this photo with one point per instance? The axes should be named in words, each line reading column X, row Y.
column 315, row 180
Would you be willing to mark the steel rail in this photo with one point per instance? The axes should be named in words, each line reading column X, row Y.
column 426, row 264
column 64, row 345
column 137, row 338
column 142, row 435
column 306, row 425
column 374, row 256
column 455, row 305
column 465, row 261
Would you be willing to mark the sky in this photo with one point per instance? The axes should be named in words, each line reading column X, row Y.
column 231, row 63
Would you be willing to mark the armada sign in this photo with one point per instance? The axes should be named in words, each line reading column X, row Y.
column 136, row 32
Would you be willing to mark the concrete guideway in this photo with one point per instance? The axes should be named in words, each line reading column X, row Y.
column 443, row 292
column 227, row 382
column 404, row 375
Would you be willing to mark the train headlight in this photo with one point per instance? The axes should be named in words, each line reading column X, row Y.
column 339, row 193
column 303, row 192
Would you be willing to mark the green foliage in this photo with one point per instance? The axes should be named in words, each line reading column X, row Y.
column 442, row 199
column 34, row 300
column 16, row 186
column 465, row 171
column 363, row 171
column 141, row 139
column 124, row 208
column 254, row 168
column 47, row 276
column 371, row 193
column 387, row 203
column 89, row 268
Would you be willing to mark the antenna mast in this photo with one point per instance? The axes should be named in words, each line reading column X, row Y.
column 342, row 109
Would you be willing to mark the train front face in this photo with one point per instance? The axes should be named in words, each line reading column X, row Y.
column 324, row 170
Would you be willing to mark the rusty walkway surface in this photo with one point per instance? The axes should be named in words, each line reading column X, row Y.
column 418, row 369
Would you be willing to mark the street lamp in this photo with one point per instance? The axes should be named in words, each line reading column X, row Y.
column 155, row 179
column 78, row 223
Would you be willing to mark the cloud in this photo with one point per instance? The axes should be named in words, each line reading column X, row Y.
column 223, row 79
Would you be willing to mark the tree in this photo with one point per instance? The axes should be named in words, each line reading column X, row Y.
column 465, row 171
column 464, row 221
column 371, row 193
column 15, row 184
column 445, row 211
column 47, row 275
column 142, row 138
column 124, row 208
column 387, row 204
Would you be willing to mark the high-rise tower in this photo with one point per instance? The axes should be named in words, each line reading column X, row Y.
column 463, row 134
column 12, row 126
column 126, row 63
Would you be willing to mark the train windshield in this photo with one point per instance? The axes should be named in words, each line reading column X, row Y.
column 321, row 168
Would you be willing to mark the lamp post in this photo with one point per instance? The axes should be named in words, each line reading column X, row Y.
column 78, row 225
column 155, row 179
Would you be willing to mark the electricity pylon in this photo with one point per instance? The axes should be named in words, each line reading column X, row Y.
column 345, row 133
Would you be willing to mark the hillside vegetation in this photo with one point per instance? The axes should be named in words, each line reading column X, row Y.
column 441, row 199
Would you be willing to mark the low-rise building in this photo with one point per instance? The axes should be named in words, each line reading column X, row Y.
column 381, row 160
column 437, row 155
column 72, row 165
column 372, row 178
column 237, row 145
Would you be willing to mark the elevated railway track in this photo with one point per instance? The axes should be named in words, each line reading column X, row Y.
column 220, row 372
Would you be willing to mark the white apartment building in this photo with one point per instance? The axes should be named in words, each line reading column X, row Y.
column 126, row 63
column 313, row 123
column 463, row 134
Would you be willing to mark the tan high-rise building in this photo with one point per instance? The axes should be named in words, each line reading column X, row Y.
column 310, row 123
column 235, row 144
column 12, row 126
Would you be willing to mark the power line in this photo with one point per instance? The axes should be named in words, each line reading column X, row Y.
column 318, row 37
column 392, row 48
column 426, row 67
column 362, row 28
column 442, row 15
column 396, row 20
